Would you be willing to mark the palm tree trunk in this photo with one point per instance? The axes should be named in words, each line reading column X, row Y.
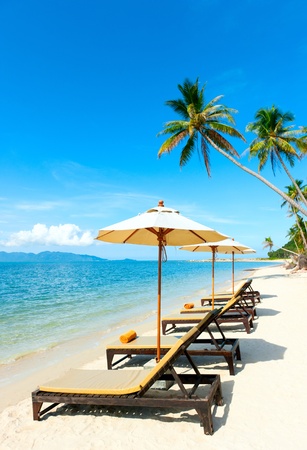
column 259, row 177
column 296, row 245
column 286, row 250
column 303, row 199
column 301, row 231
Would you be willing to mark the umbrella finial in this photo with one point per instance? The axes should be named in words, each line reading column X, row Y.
column 161, row 203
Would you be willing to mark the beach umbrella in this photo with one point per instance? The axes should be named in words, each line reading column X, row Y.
column 161, row 227
column 226, row 246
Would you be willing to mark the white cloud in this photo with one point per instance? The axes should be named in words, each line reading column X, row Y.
column 67, row 234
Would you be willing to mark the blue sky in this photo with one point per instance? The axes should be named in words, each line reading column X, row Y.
column 83, row 90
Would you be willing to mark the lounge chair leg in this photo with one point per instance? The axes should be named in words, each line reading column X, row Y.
column 204, row 412
column 229, row 361
column 164, row 325
column 247, row 326
column 218, row 397
column 206, row 419
column 36, row 407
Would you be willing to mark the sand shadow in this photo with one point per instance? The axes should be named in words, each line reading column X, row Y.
column 220, row 414
column 259, row 350
column 267, row 312
column 269, row 277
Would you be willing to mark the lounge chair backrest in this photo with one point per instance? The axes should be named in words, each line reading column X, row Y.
column 230, row 304
column 203, row 324
column 177, row 350
column 243, row 286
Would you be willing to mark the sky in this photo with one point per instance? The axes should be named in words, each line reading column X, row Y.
column 83, row 86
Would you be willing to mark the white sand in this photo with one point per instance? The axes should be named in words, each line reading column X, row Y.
column 264, row 403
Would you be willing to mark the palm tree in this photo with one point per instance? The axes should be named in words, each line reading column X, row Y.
column 208, row 122
column 268, row 243
column 293, row 193
column 277, row 142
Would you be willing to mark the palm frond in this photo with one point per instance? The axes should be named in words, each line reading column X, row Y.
column 287, row 151
column 213, row 101
column 224, row 128
column 192, row 94
column 172, row 142
column 179, row 107
column 187, row 150
column 219, row 142
column 205, row 154
column 274, row 162
column 174, row 126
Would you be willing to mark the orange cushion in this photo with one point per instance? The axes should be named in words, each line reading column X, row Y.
column 127, row 337
column 189, row 305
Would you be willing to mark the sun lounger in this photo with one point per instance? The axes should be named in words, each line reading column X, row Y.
column 230, row 313
column 147, row 345
column 244, row 290
column 131, row 388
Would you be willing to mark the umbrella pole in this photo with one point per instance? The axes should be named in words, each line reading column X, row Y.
column 213, row 260
column 159, row 302
column 233, row 273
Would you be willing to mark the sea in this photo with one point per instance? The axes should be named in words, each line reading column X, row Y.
column 43, row 305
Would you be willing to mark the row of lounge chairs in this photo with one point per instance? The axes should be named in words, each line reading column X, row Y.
column 235, row 311
column 134, row 388
column 238, row 308
column 244, row 289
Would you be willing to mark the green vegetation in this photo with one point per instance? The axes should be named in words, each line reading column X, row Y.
column 281, row 253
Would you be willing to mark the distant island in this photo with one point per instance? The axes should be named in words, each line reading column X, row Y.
column 47, row 257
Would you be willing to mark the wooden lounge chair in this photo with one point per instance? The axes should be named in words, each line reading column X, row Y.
column 212, row 346
column 131, row 388
column 232, row 312
column 244, row 290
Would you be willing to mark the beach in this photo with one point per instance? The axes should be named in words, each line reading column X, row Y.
column 264, row 402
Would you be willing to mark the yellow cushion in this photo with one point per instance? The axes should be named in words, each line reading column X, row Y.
column 109, row 382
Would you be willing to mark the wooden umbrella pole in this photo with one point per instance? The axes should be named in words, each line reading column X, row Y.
column 233, row 273
column 213, row 261
column 159, row 301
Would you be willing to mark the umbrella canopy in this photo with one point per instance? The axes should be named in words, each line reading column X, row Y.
column 159, row 226
column 226, row 246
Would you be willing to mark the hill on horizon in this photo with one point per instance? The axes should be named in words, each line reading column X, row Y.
column 47, row 257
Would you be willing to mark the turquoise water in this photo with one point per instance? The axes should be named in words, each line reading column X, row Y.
column 43, row 305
